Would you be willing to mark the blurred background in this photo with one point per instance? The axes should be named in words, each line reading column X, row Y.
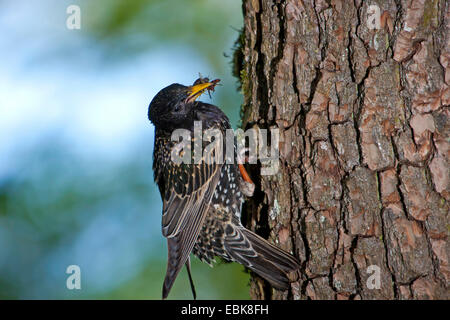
column 76, row 184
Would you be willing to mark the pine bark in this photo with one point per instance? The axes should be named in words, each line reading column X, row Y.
column 363, row 116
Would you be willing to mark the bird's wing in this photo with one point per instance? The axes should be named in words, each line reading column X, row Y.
column 187, row 193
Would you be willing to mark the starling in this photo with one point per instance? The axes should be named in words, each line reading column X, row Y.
column 202, row 200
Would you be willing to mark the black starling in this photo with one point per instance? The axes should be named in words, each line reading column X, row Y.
column 202, row 201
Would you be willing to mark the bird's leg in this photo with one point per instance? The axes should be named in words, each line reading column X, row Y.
column 188, row 268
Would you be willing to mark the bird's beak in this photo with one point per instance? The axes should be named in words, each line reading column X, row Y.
column 196, row 91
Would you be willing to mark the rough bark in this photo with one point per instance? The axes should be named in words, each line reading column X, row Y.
column 364, row 120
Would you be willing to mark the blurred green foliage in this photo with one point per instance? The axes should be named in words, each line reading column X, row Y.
column 137, row 25
column 207, row 27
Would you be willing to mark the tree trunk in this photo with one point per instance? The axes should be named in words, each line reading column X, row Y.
column 361, row 98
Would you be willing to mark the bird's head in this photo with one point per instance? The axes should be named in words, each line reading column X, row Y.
column 172, row 107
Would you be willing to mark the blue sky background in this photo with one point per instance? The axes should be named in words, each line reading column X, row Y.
column 76, row 185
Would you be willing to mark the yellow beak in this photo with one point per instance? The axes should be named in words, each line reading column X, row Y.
column 197, row 90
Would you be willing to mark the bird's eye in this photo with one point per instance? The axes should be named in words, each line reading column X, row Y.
column 177, row 108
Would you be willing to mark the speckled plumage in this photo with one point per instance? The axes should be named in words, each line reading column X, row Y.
column 202, row 202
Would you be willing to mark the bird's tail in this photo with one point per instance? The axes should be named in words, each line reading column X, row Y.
column 268, row 261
